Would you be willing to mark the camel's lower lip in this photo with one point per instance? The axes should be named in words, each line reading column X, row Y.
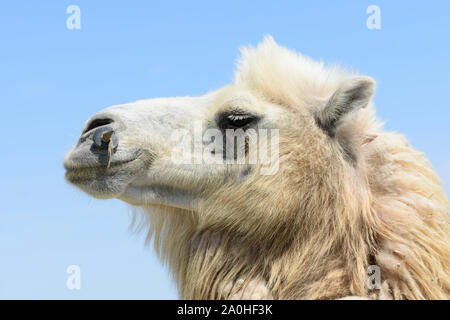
column 97, row 179
column 84, row 174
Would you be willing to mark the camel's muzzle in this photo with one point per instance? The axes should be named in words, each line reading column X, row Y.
column 97, row 164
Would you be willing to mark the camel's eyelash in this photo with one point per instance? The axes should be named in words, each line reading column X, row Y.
column 236, row 119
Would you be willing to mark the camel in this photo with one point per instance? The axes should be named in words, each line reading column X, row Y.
column 341, row 194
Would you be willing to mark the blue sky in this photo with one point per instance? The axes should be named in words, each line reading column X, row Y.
column 53, row 79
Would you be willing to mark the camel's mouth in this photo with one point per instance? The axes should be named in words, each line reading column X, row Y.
column 101, row 180
column 85, row 174
column 74, row 171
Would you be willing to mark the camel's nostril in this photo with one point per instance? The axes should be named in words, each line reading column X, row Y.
column 97, row 123
column 104, row 137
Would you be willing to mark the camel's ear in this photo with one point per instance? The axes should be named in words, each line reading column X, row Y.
column 353, row 94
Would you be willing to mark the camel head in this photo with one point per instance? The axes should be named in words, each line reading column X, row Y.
column 239, row 144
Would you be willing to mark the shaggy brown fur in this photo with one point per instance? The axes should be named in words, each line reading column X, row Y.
column 311, row 230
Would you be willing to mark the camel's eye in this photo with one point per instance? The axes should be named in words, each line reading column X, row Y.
column 236, row 119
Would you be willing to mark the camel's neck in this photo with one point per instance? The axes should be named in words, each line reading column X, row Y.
column 218, row 264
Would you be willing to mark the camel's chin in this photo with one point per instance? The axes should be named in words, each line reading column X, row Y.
column 100, row 182
column 159, row 195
